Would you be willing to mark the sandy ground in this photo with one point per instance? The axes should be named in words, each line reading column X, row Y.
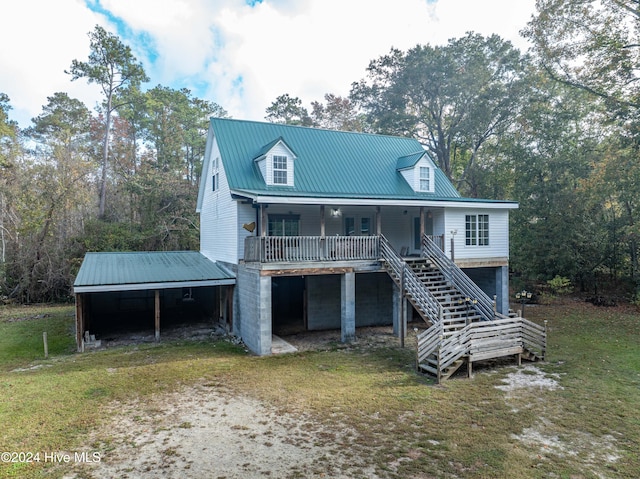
column 206, row 431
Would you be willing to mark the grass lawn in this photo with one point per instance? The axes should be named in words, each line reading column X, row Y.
column 587, row 426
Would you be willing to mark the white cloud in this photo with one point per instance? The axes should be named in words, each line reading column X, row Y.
column 239, row 56
column 39, row 40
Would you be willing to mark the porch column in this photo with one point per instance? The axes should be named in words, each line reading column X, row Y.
column 80, row 322
column 397, row 309
column 264, row 328
column 322, row 222
column 423, row 227
column 502, row 289
column 348, row 307
column 263, row 221
column 378, row 221
column 157, row 313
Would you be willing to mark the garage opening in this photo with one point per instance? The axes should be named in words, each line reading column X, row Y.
column 110, row 315
column 142, row 294
column 288, row 305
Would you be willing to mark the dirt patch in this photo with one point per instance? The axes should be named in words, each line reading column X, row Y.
column 525, row 389
column 205, row 431
column 529, row 377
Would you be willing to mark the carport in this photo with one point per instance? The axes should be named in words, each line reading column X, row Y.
column 137, row 288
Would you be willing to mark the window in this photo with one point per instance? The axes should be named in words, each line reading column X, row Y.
column 477, row 230
column 425, row 179
column 365, row 226
column 280, row 170
column 354, row 226
column 215, row 185
column 284, row 225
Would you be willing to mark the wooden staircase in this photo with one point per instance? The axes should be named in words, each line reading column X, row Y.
column 464, row 324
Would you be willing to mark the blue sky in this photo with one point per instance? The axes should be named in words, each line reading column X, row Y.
column 241, row 54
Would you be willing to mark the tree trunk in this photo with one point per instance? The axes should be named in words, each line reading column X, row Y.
column 105, row 161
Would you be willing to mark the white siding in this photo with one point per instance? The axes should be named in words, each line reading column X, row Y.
column 218, row 215
column 246, row 214
column 498, row 233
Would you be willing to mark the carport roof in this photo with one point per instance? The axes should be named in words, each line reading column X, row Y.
column 103, row 272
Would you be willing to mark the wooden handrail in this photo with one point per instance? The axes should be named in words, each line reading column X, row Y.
column 483, row 304
column 424, row 300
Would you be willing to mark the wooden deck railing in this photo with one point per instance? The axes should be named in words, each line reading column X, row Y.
column 481, row 340
column 285, row 249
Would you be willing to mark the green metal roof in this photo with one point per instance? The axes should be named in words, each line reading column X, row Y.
column 409, row 161
column 148, row 270
column 329, row 163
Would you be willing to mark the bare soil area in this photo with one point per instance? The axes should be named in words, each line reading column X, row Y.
column 204, row 431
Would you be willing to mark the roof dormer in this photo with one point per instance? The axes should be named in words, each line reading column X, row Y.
column 276, row 163
column 419, row 171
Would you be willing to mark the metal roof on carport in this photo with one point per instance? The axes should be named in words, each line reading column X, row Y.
column 105, row 272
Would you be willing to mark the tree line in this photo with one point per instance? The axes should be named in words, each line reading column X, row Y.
column 556, row 128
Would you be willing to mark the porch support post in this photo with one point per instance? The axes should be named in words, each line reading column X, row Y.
column 397, row 309
column 263, row 221
column 264, row 327
column 502, row 289
column 378, row 221
column 80, row 322
column 322, row 222
column 348, row 307
column 157, row 313
column 423, row 228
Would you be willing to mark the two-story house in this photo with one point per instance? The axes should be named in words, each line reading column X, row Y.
column 319, row 226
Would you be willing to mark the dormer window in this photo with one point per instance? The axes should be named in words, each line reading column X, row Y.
column 419, row 171
column 425, row 178
column 280, row 170
column 276, row 163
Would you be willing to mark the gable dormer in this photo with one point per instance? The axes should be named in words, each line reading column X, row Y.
column 276, row 163
column 419, row 171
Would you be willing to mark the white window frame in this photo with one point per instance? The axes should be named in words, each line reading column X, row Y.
column 280, row 164
column 215, row 175
column 476, row 230
column 422, row 179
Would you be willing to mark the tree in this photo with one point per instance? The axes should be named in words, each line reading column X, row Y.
column 48, row 198
column 8, row 131
column 452, row 98
column 591, row 44
column 9, row 150
column 594, row 46
column 339, row 113
column 113, row 67
column 289, row 111
column 558, row 229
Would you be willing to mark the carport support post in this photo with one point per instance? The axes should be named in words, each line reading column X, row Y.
column 80, row 322
column 348, row 307
column 157, row 314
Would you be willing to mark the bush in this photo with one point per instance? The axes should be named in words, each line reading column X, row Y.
column 560, row 285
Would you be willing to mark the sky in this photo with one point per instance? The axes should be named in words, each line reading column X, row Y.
column 240, row 54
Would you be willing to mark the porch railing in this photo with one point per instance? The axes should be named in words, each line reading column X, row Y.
column 283, row 249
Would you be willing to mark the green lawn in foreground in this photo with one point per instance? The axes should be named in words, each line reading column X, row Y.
column 463, row 428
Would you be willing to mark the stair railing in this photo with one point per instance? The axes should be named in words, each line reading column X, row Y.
column 459, row 279
column 410, row 284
